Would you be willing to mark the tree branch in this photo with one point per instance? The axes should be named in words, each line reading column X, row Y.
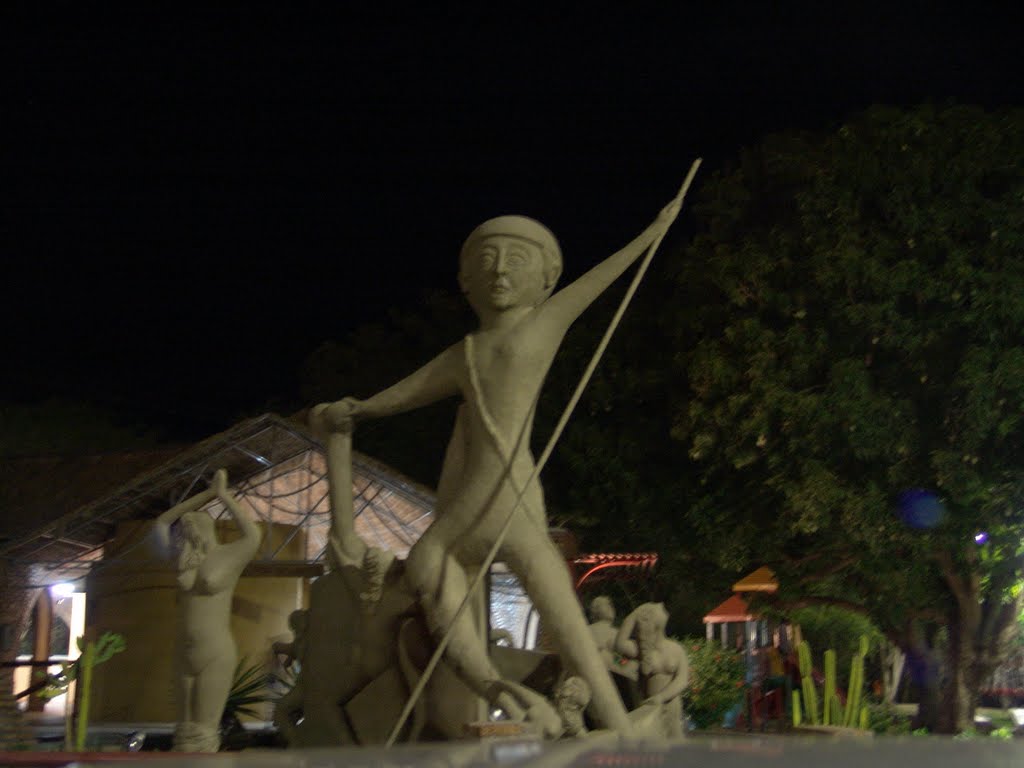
column 831, row 570
column 998, row 616
column 953, row 579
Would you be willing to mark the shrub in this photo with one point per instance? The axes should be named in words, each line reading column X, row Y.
column 885, row 718
column 717, row 677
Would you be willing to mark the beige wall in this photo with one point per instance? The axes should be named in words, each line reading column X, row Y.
column 133, row 594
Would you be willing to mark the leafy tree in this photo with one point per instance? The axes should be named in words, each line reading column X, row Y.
column 855, row 372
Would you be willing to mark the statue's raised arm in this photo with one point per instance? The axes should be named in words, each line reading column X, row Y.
column 162, row 525
column 240, row 552
column 564, row 307
column 432, row 382
column 624, row 642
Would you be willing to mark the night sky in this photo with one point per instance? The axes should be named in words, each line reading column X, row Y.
column 194, row 200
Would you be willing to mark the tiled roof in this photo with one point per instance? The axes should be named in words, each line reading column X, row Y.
column 732, row 610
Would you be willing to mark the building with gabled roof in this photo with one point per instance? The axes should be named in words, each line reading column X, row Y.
column 275, row 466
column 83, row 520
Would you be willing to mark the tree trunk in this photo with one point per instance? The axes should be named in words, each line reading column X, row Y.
column 962, row 689
column 925, row 672
column 981, row 626
column 933, row 666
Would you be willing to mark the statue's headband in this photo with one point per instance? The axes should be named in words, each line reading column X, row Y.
column 516, row 226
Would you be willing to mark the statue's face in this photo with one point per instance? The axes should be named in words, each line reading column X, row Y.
column 198, row 528
column 193, row 539
column 503, row 272
column 601, row 609
column 650, row 622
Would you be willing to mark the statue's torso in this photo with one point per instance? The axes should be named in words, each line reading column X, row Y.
column 204, row 613
column 659, row 666
column 499, row 375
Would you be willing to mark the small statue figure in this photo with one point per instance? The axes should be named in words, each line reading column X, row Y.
column 207, row 574
column 288, row 707
column 572, row 696
column 295, row 650
column 508, row 269
column 602, row 627
column 664, row 665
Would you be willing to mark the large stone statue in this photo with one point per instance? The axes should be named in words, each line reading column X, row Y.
column 508, row 269
column 664, row 665
column 207, row 574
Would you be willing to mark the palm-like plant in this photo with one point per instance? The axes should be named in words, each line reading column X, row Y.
column 248, row 690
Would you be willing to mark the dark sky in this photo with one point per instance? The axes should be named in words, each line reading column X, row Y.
column 193, row 200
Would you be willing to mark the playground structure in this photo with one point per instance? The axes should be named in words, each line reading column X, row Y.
column 767, row 648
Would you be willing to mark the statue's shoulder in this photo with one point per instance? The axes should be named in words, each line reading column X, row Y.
column 457, row 356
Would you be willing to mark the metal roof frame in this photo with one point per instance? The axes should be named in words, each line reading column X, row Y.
column 257, row 454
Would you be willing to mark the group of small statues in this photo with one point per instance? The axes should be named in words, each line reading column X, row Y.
column 488, row 497
column 640, row 651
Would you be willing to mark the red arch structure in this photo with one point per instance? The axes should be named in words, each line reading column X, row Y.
column 586, row 567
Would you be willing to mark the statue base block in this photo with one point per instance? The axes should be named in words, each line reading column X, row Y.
column 501, row 729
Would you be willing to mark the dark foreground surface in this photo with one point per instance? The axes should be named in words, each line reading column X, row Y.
column 707, row 752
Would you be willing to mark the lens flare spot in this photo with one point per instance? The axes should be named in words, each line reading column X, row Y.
column 921, row 509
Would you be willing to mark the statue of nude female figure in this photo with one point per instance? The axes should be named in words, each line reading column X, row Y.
column 664, row 665
column 207, row 574
column 508, row 269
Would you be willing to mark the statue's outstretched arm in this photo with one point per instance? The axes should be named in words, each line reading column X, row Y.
column 252, row 534
column 162, row 525
column 565, row 306
column 434, row 381
column 624, row 642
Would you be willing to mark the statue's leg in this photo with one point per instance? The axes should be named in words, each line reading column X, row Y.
column 210, row 694
column 535, row 559
column 672, row 718
column 441, row 584
column 184, row 686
